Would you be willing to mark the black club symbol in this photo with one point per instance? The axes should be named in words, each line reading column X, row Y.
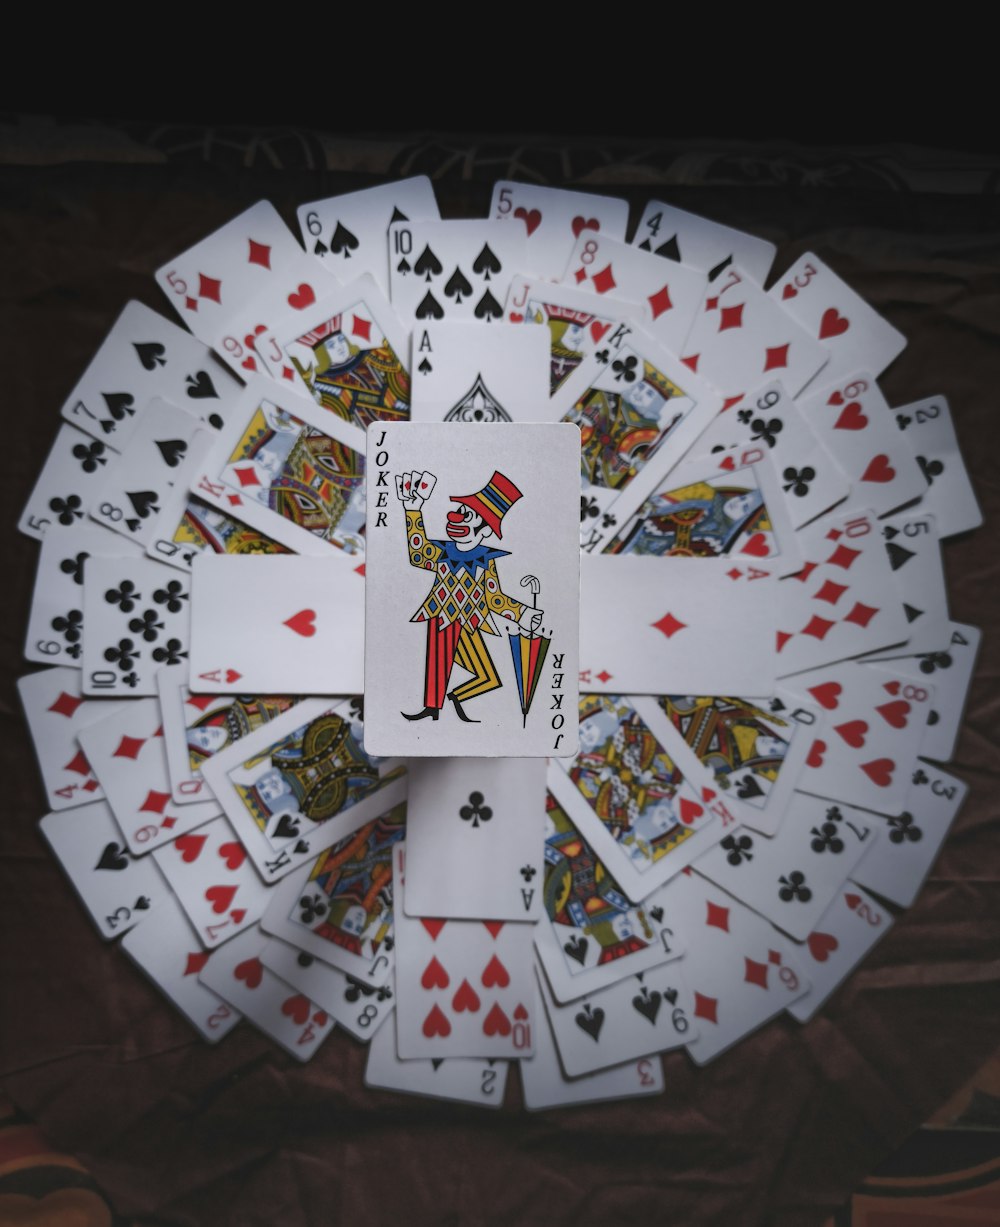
column 69, row 626
column 920, row 776
column 768, row 431
column 608, row 520
column 313, row 908
column 624, row 368
column 903, row 421
column 147, row 626
column 67, row 509
column 124, row 596
column 794, row 887
column 588, row 507
column 745, row 415
column 827, row 838
column 904, row 828
column 90, row 455
column 171, row 596
column 935, row 660
column 603, row 355
column 131, row 679
column 170, row 653
column 73, row 567
column 527, row 871
column 930, row 468
column 357, row 708
column 738, row 849
column 124, row 655
column 475, row 812
column 797, row 480
column 356, row 989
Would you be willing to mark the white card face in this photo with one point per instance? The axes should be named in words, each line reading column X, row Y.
column 950, row 673
column 853, row 419
column 671, row 293
column 289, row 470
column 914, row 551
column 635, row 807
column 210, row 873
column 634, row 403
column 209, row 283
column 591, row 934
column 464, row 1079
column 474, row 838
column 127, row 755
column 146, row 356
column 844, row 934
column 340, row 908
column 348, row 352
column 300, row 783
column 236, row 973
column 454, row 270
column 168, row 951
column 279, row 624
column 791, row 877
column 755, row 751
column 117, row 889
column 467, row 373
column 709, row 506
column 741, row 971
column 136, row 618
column 57, row 711
column 554, row 219
column 576, row 322
column 899, row 862
column 949, row 495
column 357, row 1007
column 74, row 470
column 676, row 625
column 740, row 337
column 637, row 1017
column 810, row 477
column 858, row 338
column 507, row 616
column 464, row 988
column 709, row 246
column 349, row 233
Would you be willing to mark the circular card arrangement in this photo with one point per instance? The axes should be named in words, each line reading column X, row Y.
column 768, row 678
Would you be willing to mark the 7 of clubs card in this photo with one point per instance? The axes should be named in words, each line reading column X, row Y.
column 472, row 580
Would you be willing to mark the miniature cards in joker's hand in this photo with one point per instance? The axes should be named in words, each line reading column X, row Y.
column 472, row 578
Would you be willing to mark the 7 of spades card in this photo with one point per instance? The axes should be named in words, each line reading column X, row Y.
column 472, row 578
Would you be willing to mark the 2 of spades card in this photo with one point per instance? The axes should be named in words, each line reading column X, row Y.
column 675, row 234
column 472, row 589
column 466, row 373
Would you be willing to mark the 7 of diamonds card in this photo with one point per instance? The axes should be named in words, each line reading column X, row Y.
column 471, row 649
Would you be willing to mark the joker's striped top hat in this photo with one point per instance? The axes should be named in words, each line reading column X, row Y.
column 492, row 502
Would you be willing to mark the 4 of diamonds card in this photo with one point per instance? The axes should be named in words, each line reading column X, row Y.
column 471, row 649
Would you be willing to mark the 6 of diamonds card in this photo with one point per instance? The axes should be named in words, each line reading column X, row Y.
column 471, row 649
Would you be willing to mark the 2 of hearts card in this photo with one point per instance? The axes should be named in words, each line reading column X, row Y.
column 470, row 648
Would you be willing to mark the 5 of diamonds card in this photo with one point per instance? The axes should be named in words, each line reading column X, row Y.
column 471, row 649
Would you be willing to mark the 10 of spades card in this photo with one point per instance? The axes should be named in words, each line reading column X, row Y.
column 471, row 649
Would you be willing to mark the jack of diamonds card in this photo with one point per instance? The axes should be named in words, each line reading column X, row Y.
column 470, row 649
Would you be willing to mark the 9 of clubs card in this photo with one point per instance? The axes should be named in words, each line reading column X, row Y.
column 472, row 589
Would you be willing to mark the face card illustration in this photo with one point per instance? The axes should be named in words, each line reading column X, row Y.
column 474, row 842
column 74, row 470
column 348, row 352
column 454, row 270
column 462, row 1078
column 349, row 232
column 859, row 339
column 949, row 495
column 632, row 803
column 754, row 750
column 506, row 617
column 143, row 357
column 298, row 784
column 466, row 373
column 340, row 908
column 633, row 401
column 270, row 625
column 591, row 934
column 576, row 322
column 553, row 220
column 675, row 234
column 289, row 470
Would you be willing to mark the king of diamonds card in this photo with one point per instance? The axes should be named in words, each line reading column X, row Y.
column 470, row 648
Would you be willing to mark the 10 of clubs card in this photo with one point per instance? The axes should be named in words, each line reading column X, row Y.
column 472, row 578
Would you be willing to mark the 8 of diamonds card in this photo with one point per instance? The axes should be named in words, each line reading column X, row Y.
column 472, row 579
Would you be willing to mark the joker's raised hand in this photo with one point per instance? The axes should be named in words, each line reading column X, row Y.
column 413, row 489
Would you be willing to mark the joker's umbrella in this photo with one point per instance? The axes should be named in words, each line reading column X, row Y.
column 529, row 655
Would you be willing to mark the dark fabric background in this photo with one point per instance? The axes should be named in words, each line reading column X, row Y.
column 781, row 1128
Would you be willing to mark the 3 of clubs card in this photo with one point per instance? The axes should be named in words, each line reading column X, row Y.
column 472, row 589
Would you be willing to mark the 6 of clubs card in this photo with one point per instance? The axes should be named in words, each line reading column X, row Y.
column 472, row 578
